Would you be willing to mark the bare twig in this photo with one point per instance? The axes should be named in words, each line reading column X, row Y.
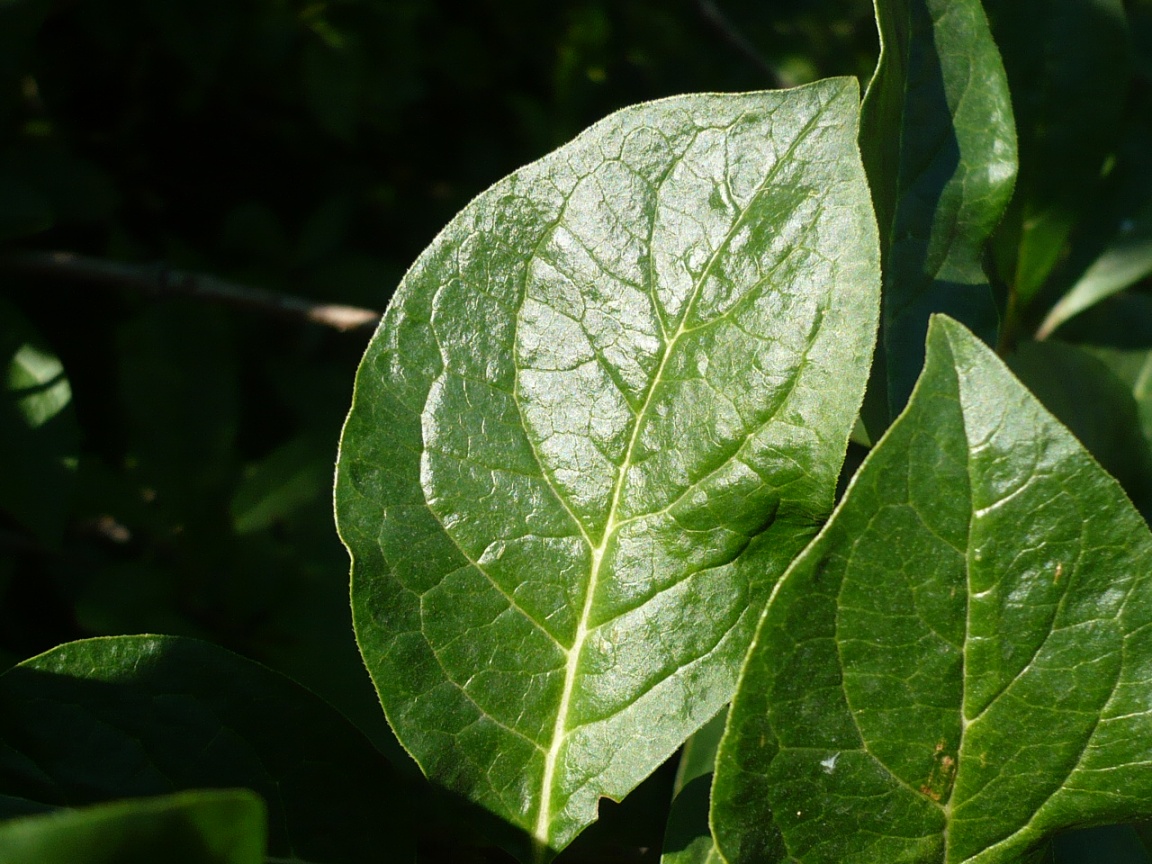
column 727, row 30
column 158, row 279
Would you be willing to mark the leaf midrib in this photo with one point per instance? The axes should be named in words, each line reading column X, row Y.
column 560, row 728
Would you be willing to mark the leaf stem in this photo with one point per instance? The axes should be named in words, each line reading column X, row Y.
column 159, row 279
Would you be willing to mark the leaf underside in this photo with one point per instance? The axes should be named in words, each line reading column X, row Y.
column 604, row 411
column 959, row 666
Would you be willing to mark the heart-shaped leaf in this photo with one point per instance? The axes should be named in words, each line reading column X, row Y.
column 131, row 716
column 960, row 665
column 939, row 146
column 604, row 411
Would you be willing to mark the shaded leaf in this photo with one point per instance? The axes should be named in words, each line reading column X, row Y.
column 939, row 145
column 1096, row 405
column 39, row 437
column 1134, row 369
column 134, row 716
column 1126, row 261
column 286, row 479
column 1122, row 321
column 957, row 667
column 604, row 411
column 1065, row 59
column 1115, row 844
column 1112, row 248
column 216, row 827
column 688, row 839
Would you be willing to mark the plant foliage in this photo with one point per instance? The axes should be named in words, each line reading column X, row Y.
column 773, row 462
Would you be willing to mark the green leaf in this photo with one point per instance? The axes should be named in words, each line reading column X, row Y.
column 289, row 477
column 1068, row 66
column 134, row 716
column 1112, row 247
column 957, row 667
column 39, row 437
column 688, row 839
column 1122, row 321
column 604, row 411
column 203, row 827
column 1134, row 369
column 1126, row 261
column 1096, row 405
column 939, row 145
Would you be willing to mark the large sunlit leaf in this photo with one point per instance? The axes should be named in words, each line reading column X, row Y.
column 939, row 145
column 961, row 664
column 132, row 716
column 605, row 410
column 201, row 827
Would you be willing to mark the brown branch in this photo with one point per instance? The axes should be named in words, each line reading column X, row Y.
column 730, row 34
column 161, row 280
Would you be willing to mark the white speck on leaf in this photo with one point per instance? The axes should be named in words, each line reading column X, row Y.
column 829, row 764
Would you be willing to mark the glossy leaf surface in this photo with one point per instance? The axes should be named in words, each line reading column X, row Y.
column 960, row 665
column 214, row 827
column 134, row 716
column 604, row 411
column 939, row 145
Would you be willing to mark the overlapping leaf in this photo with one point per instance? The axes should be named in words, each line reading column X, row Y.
column 133, row 716
column 939, row 145
column 961, row 664
column 604, row 411
column 688, row 838
column 1098, row 404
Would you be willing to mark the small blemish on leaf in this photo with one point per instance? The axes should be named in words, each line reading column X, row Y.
column 939, row 782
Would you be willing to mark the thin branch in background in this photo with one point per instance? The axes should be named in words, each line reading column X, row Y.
column 728, row 31
column 164, row 281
